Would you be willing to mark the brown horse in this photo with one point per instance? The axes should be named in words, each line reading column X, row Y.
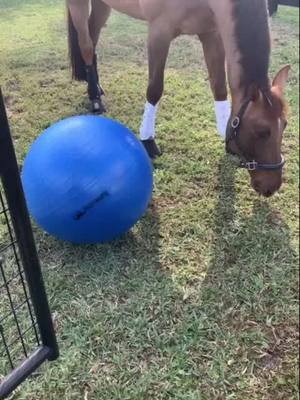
column 235, row 30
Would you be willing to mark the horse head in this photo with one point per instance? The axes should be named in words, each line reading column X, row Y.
column 255, row 134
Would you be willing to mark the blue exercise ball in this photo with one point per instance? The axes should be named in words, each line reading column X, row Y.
column 87, row 179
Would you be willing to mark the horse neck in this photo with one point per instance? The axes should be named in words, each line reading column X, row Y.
column 244, row 28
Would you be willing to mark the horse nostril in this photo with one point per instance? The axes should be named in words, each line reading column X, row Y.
column 229, row 151
column 268, row 193
column 256, row 186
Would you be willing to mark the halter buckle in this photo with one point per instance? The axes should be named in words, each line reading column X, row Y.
column 235, row 123
column 250, row 165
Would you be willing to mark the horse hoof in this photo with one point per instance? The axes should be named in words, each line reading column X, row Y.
column 151, row 148
column 98, row 107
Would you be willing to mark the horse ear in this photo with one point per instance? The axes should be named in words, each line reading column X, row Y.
column 281, row 78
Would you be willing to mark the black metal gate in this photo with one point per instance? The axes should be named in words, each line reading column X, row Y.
column 291, row 3
column 27, row 336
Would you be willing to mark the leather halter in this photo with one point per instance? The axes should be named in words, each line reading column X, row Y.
column 233, row 134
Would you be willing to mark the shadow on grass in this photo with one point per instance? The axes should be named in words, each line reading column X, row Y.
column 249, row 292
column 249, row 244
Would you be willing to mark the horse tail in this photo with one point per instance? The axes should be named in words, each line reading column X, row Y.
column 76, row 60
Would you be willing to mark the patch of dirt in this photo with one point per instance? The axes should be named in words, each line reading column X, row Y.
column 270, row 361
column 163, row 203
column 46, row 82
column 13, row 85
column 284, row 340
column 275, row 218
column 9, row 103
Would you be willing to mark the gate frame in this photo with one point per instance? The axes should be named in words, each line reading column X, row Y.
column 13, row 191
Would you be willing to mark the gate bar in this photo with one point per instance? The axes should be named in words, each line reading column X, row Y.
column 24, row 370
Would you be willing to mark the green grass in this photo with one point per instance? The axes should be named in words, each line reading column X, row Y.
column 199, row 300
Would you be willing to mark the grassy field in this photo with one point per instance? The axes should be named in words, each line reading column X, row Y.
column 199, row 300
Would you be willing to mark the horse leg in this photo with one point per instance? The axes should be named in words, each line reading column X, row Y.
column 82, row 50
column 214, row 54
column 98, row 17
column 159, row 40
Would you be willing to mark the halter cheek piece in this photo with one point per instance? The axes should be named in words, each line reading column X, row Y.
column 234, row 134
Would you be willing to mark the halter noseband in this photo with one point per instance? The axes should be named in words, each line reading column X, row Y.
column 233, row 135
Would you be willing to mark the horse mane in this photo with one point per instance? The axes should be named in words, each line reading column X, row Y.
column 253, row 39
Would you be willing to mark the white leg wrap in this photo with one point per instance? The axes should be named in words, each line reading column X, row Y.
column 147, row 130
column 223, row 111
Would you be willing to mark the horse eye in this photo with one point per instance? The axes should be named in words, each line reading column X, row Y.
column 265, row 134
